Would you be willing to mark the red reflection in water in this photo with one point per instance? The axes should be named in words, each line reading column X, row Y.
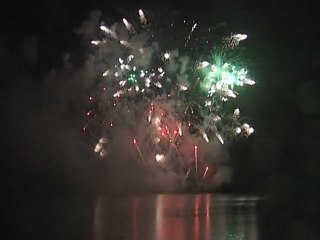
column 208, row 218
column 196, row 222
column 169, row 223
column 174, row 217
column 135, row 219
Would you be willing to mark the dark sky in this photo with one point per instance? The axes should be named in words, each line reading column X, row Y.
column 285, row 104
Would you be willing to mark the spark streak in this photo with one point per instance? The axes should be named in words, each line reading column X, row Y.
column 204, row 175
column 196, row 158
column 143, row 19
column 128, row 25
column 139, row 151
column 219, row 137
column 189, row 36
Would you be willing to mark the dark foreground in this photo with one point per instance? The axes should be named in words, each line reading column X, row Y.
column 147, row 217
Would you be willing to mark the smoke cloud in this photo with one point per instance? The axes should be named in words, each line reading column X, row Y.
column 140, row 144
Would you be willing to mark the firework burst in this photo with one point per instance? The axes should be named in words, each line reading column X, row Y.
column 172, row 100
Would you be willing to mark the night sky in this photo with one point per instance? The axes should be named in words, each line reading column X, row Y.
column 39, row 124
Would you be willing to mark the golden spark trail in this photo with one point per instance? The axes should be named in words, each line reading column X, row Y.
column 139, row 151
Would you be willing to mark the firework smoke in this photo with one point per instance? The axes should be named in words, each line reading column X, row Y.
column 170, row 103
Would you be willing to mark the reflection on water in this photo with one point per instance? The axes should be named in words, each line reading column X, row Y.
column 158, row 217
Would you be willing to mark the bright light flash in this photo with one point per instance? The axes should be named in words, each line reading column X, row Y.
column 240, row 37
column 98, row 148
column 142, row 74
column 230, row 93
column 149, row 116
column 143, row 19
column 104, row 28
column 219, row 137
column 245, row 126
column 89, row 112
column 125, row 43
column 249, row 81
column 103, row 140
column 250, row 130
column 193, row 27
column 108, row 31
column 205, row 136
column 166, row 55
column 106, row 73
column 158, row 84
column 236, row 112
column 160, row 158
column 156, row 121
column 216, row 118
column 129, row 58
column 95, row 42
column 118, row 93
column 180, row 130
column 127, row 24
column 183, row 87
column 207, row 103
column 237, row 130
column 203, row 64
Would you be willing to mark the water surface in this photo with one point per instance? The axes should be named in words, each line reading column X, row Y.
column 134, row 217
column 172, row 217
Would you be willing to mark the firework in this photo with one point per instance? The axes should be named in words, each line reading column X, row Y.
column 196, row 158
column 101, row 147
column 204, row 175
column 189, row 36
column 167, row 97
column 234, row 39
column 139, row 151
